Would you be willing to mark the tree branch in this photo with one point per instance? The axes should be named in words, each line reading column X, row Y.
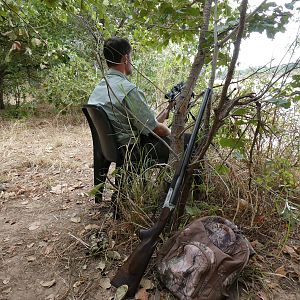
column 214, row 67
column 258, row 126
column 225, row 105
column 234, row 31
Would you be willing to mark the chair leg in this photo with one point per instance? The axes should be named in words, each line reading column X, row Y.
column 101, row 167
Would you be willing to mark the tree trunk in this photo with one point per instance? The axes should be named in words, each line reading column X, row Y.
column 183, row 101
column 182, row 110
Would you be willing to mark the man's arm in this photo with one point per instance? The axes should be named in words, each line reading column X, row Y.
column 136, row 102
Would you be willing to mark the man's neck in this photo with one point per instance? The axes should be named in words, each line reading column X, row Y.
column 119, row 68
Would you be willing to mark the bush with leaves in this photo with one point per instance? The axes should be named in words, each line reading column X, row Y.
column 68, row 85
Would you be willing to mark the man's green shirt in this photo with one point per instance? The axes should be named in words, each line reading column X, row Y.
column 125, row 106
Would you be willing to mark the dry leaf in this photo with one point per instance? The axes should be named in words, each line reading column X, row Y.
column 76, row 186
column 101, row 265
column 297, row 249
column 78, row 283
column 6, row 281
column 48, row 249
column 48, row 284
column 242, row 204
column 30, row 245
column 21, row 191
column 7, row 195
column 257, row 245
column 7, row 291
column 65, row 206
column 49, row 149
column 58, row 189
column 105, row 283
column 141, row 294
column 113, row 255
column 281, row 271
column 11, row 249
column 147, row 284
column 271, row 284
column 42, row 244
column 35, row 225
column 91, row 226
column 289, row 250
column 75, row 220
column 295, row 273
column 121, row 292
column 31, row 258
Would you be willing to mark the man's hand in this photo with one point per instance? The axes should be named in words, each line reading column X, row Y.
column 162, row 130
column 163, row 115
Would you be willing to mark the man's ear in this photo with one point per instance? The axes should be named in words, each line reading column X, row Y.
column 126, row 59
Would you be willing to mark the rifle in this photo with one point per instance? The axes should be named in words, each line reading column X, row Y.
column 133, row 269
column 175, row 91
column 173, row 94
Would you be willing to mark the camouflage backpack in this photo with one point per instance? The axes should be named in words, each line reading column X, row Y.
column 204, row 260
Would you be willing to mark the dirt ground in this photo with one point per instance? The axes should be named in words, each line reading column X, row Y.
column 47, row 219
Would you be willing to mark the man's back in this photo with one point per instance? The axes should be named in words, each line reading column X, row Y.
column 124, row 105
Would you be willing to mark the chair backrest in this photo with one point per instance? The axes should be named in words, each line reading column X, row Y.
column 102, row 130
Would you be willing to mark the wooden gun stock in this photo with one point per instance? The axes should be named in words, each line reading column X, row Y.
column 133, row 269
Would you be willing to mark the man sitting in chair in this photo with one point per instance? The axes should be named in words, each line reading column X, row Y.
column 125, row 104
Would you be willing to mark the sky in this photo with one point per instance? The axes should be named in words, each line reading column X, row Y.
column 259, row 50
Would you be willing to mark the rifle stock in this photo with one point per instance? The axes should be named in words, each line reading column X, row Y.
column 134, row 267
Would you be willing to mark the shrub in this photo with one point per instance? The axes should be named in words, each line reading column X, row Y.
column 69, row 84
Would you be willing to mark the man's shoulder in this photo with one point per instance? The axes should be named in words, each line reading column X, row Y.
column 124, row 84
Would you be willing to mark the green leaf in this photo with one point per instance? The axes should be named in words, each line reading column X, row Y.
column 240, row 112
column 193, row 210
column 121, row 292
column 295, row 81
column 232, row 143
column 296, row 98
column 222, row 169
column 96, row 189
column 238, row 155
column 289, row 5
column 280, row 102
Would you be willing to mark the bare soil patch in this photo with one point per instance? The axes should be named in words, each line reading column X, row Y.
column 47, row 220
column 46, row 172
